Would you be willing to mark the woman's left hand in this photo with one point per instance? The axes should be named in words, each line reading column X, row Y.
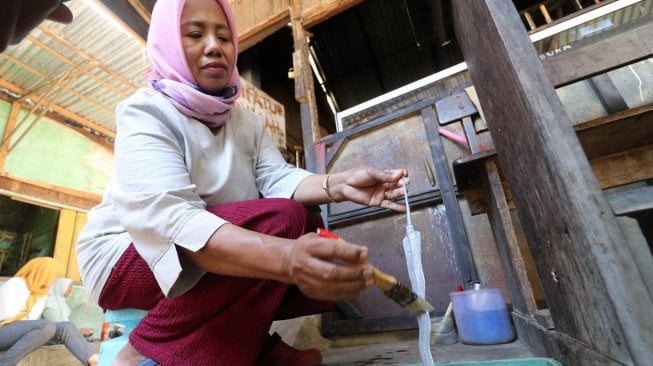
column 369, row 186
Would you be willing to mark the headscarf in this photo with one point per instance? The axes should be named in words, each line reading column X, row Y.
column 56, row 308
column 37, row 273
column 170, row 74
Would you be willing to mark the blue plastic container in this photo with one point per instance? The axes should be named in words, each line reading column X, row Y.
column 482, row 316
column 125, row 320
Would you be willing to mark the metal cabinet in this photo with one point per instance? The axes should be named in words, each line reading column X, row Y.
column 407, row 137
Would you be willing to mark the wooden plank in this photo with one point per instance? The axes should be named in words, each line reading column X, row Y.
column 543, row 342
column 512, row 262
column 606, row 142
column 304, row 89
column 10, row 127
column 123, row 13
column 625, row 167
column 53, row 195
column 608, row 93
column 605, row 51
column 324, row 10
column 143, row 11
column 80, row 222
column 632, row 200
column 63, row 112
column 332, row 326
column 63, row 245
column 465, row 264
column 575, row 241
column 618, row 169
column 617, row 132
column 260, row 31
column 639, row 247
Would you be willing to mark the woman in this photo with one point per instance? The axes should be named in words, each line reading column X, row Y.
column 22, row 299
column 182, row 231
column 56, row 308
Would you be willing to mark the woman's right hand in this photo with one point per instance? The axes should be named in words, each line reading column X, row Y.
column 327, row 269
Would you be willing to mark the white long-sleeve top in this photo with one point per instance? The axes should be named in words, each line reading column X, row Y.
column 13, row 300
column 168, row 167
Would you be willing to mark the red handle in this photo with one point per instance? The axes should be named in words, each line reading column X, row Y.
column 327, row 234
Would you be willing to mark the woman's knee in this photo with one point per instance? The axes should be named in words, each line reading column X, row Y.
column 66, row 325
column 275, row 216
column 292, row 218
column 46, row 328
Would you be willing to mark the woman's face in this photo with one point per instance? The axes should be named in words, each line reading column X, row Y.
column 207, row 42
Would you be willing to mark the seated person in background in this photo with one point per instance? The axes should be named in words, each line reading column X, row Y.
column 22, row 299
column 18, row 18
column 56, row 309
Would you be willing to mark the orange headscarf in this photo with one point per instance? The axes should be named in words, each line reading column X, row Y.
column 38, row 274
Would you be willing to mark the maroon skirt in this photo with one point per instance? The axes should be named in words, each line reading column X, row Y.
column 222, row 320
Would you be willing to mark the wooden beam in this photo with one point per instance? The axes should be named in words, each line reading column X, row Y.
column 600, row 53
column 47, row 194
column 91, row 60
column 25, row 66
column 512, row 260
column 141, row 10
column 9, row 130
column 576, row 242
column 616, row 132
column 64, row 112
column 623, row 168
column 256, row 34
column 543, row 342
column 123, row 13
column 29, row 124
column 304, row 88
column 324, row 10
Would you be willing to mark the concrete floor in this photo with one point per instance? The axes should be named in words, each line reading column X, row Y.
column 403, row 351
column 347, row 353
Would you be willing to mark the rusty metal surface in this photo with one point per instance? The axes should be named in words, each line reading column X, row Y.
column 401, row 143
column 384, row 237
column 454, row 108
column 403, row 140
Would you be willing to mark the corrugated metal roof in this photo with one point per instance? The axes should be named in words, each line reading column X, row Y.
column 380, row 45
column 85, row 68
column 80, row 70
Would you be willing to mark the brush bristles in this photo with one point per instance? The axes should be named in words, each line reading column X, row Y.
column 419, row 306
column 408, row 299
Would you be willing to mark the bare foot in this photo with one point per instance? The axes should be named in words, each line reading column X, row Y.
column 92, row 361
column 128, row 356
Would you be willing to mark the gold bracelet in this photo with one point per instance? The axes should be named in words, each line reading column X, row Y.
column 325, row 187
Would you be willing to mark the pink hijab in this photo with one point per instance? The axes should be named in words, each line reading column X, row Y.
column 170, row 74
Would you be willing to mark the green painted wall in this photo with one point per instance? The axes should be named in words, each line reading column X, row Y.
column 55, row 154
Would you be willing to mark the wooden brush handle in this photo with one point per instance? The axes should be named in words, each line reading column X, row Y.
column 383, row 280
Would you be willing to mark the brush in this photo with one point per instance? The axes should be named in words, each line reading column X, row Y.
column 390, row 286
column 443, row 332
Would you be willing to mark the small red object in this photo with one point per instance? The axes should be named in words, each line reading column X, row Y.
column 327, row 234
column 459, row 288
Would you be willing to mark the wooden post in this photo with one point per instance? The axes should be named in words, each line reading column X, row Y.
column 597, row 297
column 304, row 90
column 8, row 132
